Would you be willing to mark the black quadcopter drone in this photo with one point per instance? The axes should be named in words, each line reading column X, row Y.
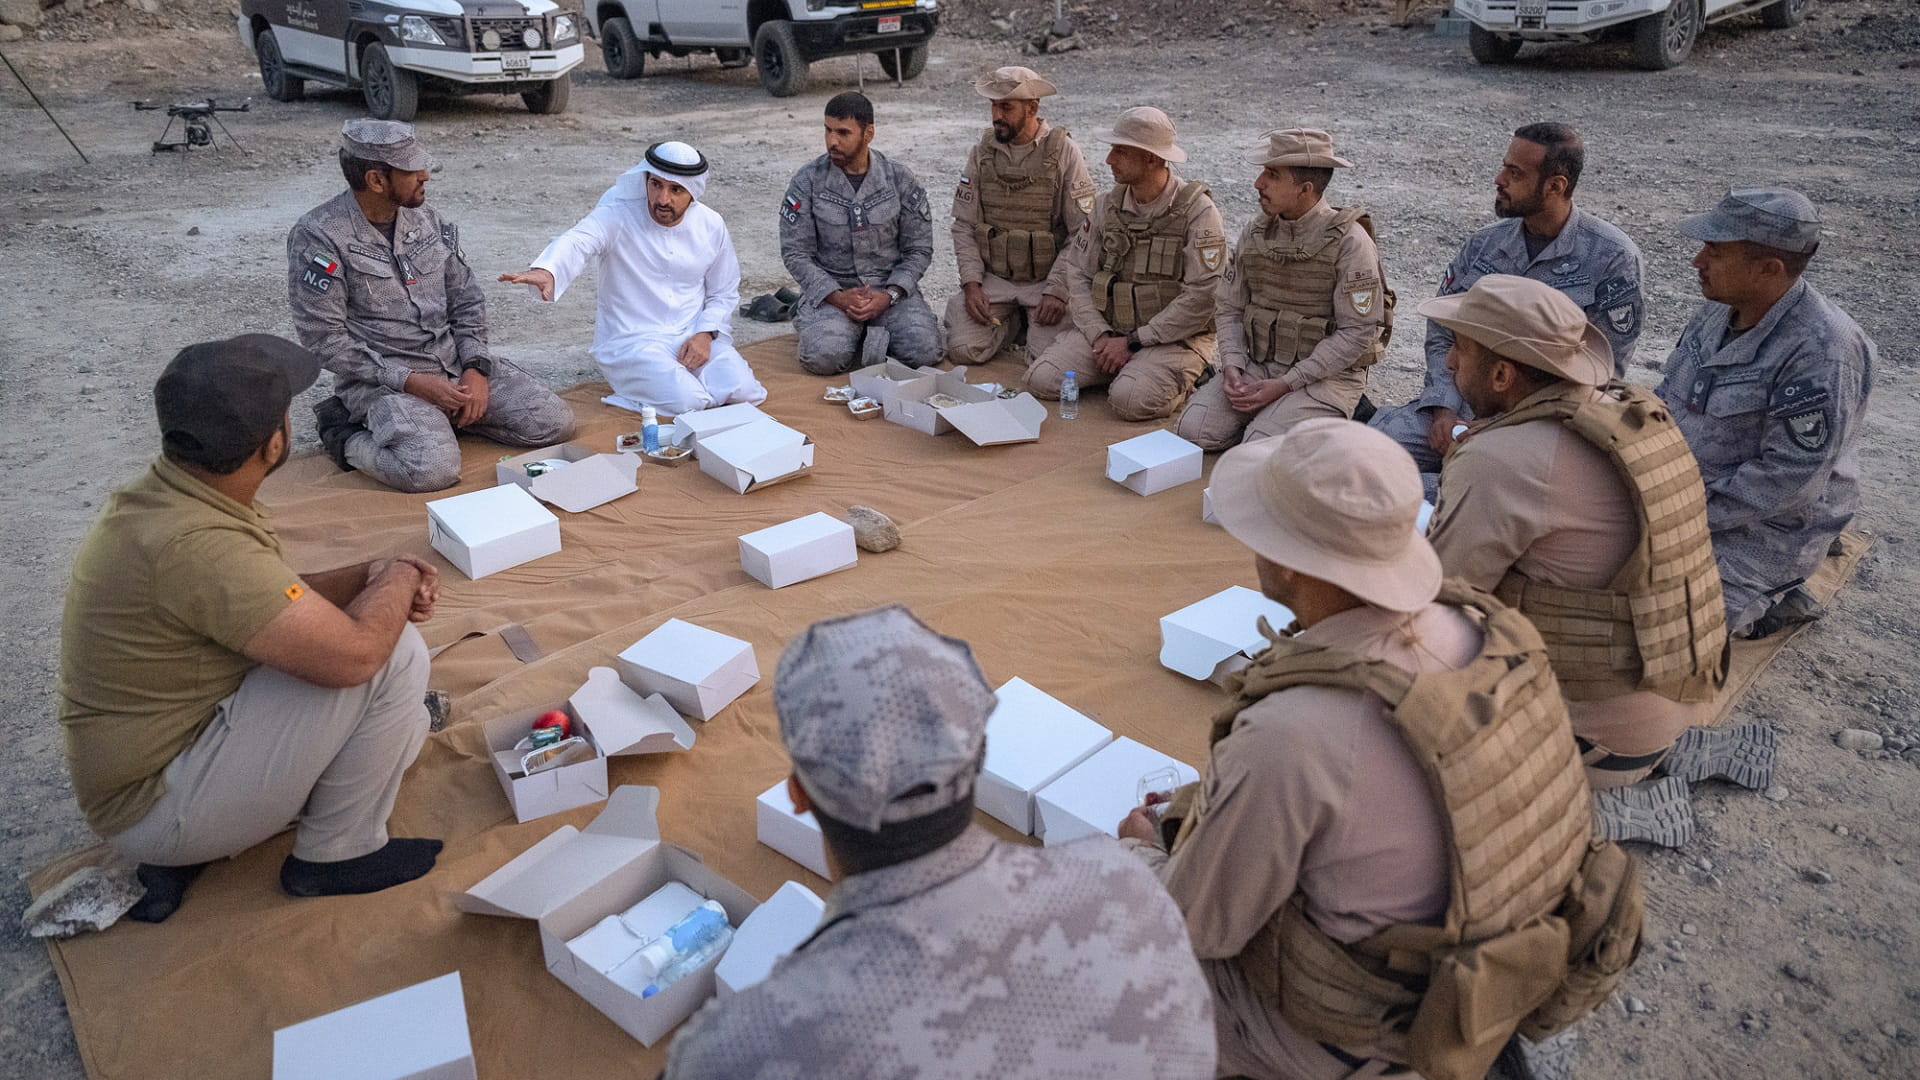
column 199, row 119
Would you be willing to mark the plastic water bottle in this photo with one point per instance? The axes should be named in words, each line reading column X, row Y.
column 1070, row 396
column 650, row 429
column 687, row 944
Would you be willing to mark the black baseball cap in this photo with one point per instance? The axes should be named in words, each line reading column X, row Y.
column 222, row 400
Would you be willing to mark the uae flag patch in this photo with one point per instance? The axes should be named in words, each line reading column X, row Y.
column 327, row 263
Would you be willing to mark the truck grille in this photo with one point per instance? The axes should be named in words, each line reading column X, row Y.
column 512, row 31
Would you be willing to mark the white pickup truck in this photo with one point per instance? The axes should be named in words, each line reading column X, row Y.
column 1662, row 31
column 780, row 37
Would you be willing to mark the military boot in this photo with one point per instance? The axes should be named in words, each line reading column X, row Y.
column 336, row 427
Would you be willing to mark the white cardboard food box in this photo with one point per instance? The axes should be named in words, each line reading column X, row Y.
column 756, row 455
column 1093, row 796
column 1214, row 637
column 689, row 428
column 776, row 928
column 573, row 878
column 611, row 717
column 1206, row 507
column 591, row 480
column 984, row 417
column 797, row 550
column 1032, row 739
column 1153, row 462
column 881, row 381
column 484, row 532
column 785, row 830
column 417, row 1033
column 699, row 671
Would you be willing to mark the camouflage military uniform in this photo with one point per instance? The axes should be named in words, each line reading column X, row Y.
column 980, row 959
column 376, row 311
column 834, row 237
column 1594, row 263
column 1774, row 417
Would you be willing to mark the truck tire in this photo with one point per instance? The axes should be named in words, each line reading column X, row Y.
column 776, row 51
column 551, row 98
column 912, row 62
column 1488, row 47
column 279, row 85
column 1663, row 40
column 1784, row 14
column 391, row 93
column 620, row 48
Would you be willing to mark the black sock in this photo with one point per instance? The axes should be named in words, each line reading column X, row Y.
column 166, row 886
column 400, row 861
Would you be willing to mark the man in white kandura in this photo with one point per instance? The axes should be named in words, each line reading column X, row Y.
column 669, row 282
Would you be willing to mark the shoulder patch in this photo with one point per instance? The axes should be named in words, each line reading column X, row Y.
column 1797, row 397
column 1615, row 290
column 1212, row 251
column 1811, row 430
column 295, row 592
column 450, row 235
column 1624, row 318
column 324, row 262
column 917, row 203
column 791, row 205
column 1362, row 300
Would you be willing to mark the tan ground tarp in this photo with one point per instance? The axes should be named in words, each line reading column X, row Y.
column 1052, row 572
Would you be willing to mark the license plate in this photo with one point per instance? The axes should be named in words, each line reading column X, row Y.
column 1533, row 9
column 889, row 24
column 513, row 61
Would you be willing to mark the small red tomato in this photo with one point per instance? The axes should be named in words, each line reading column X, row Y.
column 556, row 718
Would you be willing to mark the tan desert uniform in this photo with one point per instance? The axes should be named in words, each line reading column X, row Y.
column 1302, row 301
column 1313, row 792
column 1041, row 188
column 1177, row 343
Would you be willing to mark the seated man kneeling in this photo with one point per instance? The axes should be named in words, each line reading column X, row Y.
column 208, row 693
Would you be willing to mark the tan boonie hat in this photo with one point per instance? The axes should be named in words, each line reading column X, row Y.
column 1147, row 128
column 1334, row 500
column 884, row 719
column 1306, row 148
column 1528, row 322
column 388, row 142
column 1013, row 84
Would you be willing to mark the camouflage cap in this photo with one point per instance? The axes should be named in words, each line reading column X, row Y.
column 388, row 142
column 1775, row 217
column 1306, row 148
column 1013, row 83
column 884, row 719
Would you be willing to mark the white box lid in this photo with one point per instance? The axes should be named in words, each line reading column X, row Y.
column 1144, row 452
column 775, row 928
column 1032, row 736
column 478, row 516
column 1210, row 630
column 623, row 722
column 791, row 534
column 568, row 861
column 404, row 1033
column 681, row 650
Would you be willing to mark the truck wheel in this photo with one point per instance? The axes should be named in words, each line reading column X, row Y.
column 734, row 58
column 911, row 62
column 1663, row 40
column 551, row 98
column 621, row 49
column 1491, row 48
column 391, row 93
column 1785, row 13
column 783, row 69
column 279, row 85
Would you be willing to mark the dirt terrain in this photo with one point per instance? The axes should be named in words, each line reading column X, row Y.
column 1782, row 941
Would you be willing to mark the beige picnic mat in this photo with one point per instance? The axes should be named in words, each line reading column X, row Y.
column 1053, row 574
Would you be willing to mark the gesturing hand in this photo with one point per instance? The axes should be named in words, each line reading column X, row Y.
column 538, row 278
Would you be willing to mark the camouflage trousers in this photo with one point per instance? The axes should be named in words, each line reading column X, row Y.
column 1152, row 386
column 831, row 343
column 410, row 444
column 969, row 342
column 1210, row 423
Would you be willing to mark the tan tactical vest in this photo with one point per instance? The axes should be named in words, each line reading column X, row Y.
column 1541, row 922
column 1660, row 624
column 1142, row 259
column 1292, row 287
column 1018, row 232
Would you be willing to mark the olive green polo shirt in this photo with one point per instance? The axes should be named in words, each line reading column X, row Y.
column 172, row 582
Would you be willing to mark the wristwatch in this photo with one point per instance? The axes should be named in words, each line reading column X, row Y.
column 1133, row 343
column 897, row 293
column 480, row 364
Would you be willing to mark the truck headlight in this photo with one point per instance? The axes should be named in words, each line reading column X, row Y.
column 531, row 38
column 564, row 28
column 418, row 31
column 816, row 5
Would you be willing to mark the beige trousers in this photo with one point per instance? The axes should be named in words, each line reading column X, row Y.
column 969, row 342
column 1211, row 424
column 281, row 750
column 1153, row 385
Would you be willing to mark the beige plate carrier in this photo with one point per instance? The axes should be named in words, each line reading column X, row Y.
column 1292, row 290
column 1019, row 233
column 1541, row 921
column 1143, row 259
column 1661, row 624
